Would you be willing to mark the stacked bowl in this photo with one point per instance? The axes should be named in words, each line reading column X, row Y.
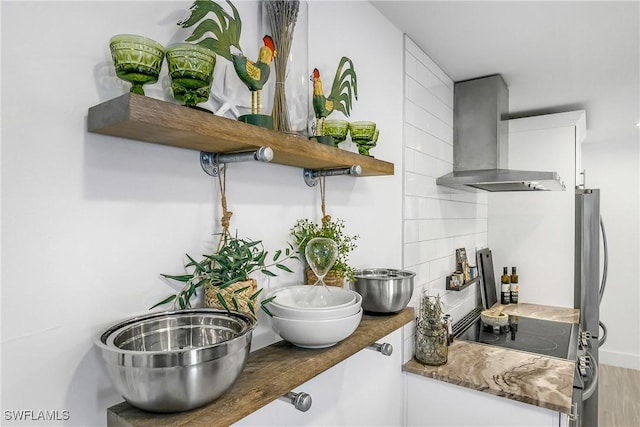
column 176, row 360
column 315, row 316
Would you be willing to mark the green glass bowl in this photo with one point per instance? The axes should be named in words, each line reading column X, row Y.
column 374, row 140
column 191, row 72
column 137, row 59
column 362, row 131
column 338, row 129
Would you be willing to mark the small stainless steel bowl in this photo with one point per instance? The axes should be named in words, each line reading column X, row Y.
column 383, row 290
column 176, row 360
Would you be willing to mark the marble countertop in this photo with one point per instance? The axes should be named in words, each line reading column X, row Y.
column 544, row 312
column 536, row 379
column 257, row 385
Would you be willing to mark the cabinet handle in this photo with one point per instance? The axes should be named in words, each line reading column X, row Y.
column 385, row 348
column 301, row 401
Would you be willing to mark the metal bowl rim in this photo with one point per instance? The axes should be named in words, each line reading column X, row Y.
column 378, row 273
column 251, row 324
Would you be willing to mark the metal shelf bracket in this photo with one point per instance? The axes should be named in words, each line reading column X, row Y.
column 301, row 401
column 384, row 348
column 211, row 162
column 311, row 176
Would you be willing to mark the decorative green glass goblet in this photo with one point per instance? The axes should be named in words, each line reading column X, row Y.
column 362, row 134
column 338, row 129
column 137, row 59
column 191, row 72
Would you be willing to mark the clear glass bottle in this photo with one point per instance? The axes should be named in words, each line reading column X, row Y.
column 515, row 286
column 505, row 287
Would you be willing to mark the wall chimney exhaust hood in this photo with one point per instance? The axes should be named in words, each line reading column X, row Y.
column 481, row 142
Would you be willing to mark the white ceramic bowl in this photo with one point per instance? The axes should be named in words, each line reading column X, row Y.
column 293, row 297
column 315, row 313
column 316, row 333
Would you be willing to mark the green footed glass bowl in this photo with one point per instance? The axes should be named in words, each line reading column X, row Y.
column 362, row 131
column 137, row 59
column 191, row 72
column 338, row 129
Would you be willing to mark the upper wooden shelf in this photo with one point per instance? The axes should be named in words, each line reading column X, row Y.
column 148, row 119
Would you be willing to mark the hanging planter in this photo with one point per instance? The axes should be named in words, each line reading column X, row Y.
column 305, row 230
column 225, row 274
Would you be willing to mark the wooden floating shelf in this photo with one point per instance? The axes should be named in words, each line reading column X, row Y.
column 148, row 119
column 464, row 285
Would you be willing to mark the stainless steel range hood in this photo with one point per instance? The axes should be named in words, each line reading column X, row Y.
column 481, row 142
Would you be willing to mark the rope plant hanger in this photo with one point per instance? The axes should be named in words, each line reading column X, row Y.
column 225, row 273
column 305, row 230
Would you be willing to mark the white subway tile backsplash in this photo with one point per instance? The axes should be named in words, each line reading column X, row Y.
column 411, row 231
column 412, row 48
column 410, row 65
column 437, row 220
column 425, row 99
column 440, row 268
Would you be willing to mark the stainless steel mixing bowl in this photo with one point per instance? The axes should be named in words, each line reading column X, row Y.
column 383, row 290
column 176, row 360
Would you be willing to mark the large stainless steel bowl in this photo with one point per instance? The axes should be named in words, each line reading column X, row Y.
column 176, row 360
column 383, row 290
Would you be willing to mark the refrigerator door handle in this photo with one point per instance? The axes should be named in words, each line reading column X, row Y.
column 603, row 338
column 606, row 259
column 593, row 385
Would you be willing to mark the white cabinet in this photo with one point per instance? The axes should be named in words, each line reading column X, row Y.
column 534, row 230
column 437, row 403
column 366, row 389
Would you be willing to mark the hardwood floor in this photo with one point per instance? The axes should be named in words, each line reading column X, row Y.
column 618, row 397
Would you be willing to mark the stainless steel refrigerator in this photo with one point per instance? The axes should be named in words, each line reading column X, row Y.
column 589, row 289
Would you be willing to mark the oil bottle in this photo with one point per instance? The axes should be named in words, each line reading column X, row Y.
column 505, row 287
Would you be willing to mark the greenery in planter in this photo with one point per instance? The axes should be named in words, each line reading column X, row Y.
column 305, row 230
column 233, row 262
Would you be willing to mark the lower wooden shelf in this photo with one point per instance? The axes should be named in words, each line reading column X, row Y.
column 270, row 373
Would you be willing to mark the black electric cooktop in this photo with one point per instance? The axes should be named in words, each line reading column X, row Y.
column 556, row 339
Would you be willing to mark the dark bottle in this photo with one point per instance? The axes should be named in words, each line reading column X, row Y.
column 515, row 287
column 505, row 287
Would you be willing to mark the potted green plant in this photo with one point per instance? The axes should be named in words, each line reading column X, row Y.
column 305, row 230
column 225, row 275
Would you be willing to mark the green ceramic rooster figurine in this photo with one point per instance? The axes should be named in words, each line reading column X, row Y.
column 227, row 32
column 255, row 74
column 343, row 89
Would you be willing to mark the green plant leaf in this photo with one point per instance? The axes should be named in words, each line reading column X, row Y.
column 196, row 264
column 251, row 307
column 268, row 300
column 255, row 295
column 222, row 301
column 183, row 278
column 164, row 301
column 229, row 282
column 182, row 302
column 277, row 255
column 237, row 291
column 235, row 303
column 265, row 309
column 284, row 267
column 267, row 273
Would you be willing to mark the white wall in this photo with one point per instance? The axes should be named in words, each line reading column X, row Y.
column 89, row 222
column 534, row 231
column 437, row 220
column 613, row 167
